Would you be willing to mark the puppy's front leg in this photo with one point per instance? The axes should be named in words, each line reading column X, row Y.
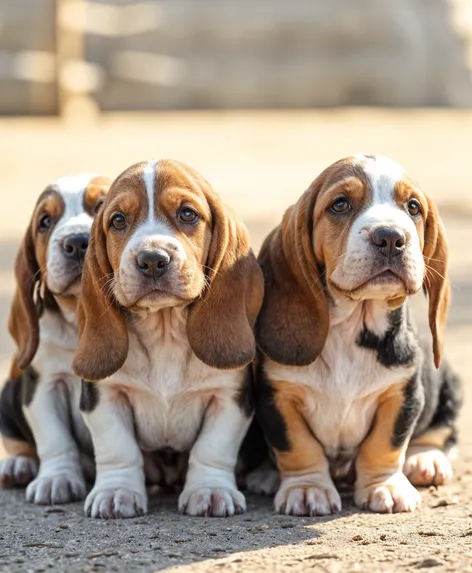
column 119, row 489
column 306, row 487
column 60, row 478
column 381, row 485
column 210, row 486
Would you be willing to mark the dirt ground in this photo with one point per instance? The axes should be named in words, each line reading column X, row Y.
column 260, row 163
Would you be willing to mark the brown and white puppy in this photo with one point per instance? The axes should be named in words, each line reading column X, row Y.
column 40, row 418
column 171, row 291
column 342, row 386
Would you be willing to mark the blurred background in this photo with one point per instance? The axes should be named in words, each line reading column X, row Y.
column 259, row 95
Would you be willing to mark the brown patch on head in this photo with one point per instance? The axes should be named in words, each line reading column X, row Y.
column 221, row 282
column 297, row 259
column 94, row 194
column 29, row 270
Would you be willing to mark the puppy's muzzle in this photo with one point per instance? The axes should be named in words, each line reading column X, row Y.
column 389, row 241
column 153, row 264
column 75, row 246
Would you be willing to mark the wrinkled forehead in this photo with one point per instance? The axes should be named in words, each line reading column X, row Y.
column 73, row 196
column 371, row 179
column 150, row 187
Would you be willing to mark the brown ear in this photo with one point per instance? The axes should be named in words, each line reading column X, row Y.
column 294, row 320
column 103, row 336
column 436, row 282
column 220, row 324
column 23, row 322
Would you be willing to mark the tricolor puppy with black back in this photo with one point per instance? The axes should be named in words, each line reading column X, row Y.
column 171, row 291
column 343, row 383
column 40, row 418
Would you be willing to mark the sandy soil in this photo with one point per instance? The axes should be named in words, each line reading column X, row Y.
column 260, row 163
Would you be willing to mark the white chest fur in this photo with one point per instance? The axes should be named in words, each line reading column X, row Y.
column 342, row 386
column 167, row 386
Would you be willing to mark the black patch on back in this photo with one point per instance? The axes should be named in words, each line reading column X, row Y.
column 398, row 346
column 409, row 412
column 89, row 396
column 13, row 423
column 268, row 415
column 245, row 396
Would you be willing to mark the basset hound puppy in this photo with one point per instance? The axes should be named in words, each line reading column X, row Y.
column 40, row 420
column 170, row 295
column 344, row 387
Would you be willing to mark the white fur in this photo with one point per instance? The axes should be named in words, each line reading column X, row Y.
column 176, row 402
column 149, row 176
column 74, row 220
column 360, row 258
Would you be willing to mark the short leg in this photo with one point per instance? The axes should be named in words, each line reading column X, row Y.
column 119, row 490
column 21, row 465
column 210, row 487
column 60, row 478
column 381, row 485
column 426, row 461
column 306, row 486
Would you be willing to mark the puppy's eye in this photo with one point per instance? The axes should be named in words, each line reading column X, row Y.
column 45, row 222
column 187, row 215
column 341, row 205
column 96, row 209
column 118, row 221
column 414, row 207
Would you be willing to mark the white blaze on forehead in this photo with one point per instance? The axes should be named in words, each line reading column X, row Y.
column 149, row 177
column 71, row 189
column 383, row 174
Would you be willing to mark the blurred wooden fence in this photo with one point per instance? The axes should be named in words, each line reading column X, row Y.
column 167, row 54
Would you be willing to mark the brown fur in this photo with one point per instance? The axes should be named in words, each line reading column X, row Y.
column 222, row 311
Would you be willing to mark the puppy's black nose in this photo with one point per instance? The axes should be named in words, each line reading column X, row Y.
column 389, row 240
column 153, row 264
column 75, row 246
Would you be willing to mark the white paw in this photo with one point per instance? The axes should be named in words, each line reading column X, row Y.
column 56, row 489
column 311, row 497
column 116, row 503
column 18, row 470
column 263, row 481
column 394, row 495
column 212, row 501
column 427, row 467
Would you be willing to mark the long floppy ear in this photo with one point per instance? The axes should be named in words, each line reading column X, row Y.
column 220, row 324
column 294, row 320
column 23, row 322
column 103, row 336
column 436, row 284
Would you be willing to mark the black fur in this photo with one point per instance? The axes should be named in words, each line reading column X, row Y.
column 13, row 423
column 398, row 346
column 411, row 409
column 89, row 396
column 245, row 396
column 270, row 418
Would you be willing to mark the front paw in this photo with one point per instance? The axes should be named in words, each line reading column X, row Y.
column 212, row 501
column 56, row 489
column 263, row 481
column 18, row 470
column 307, row 497
column 427, row 467
column 393, row 495
column 116, row 503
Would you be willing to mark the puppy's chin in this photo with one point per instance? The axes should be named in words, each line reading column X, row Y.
column 157, row 300
column 385, row 286
column 68, row 286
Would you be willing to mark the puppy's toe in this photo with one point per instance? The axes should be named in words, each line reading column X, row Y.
column 308, row 498
column 121, row 503
column 427, row 467
column 393, row 495
column 56, row 489
column 17, row 471
column 213, row 502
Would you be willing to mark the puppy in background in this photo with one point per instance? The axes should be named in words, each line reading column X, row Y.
column 40, row 420
column 344, row 387
column 170, row 295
